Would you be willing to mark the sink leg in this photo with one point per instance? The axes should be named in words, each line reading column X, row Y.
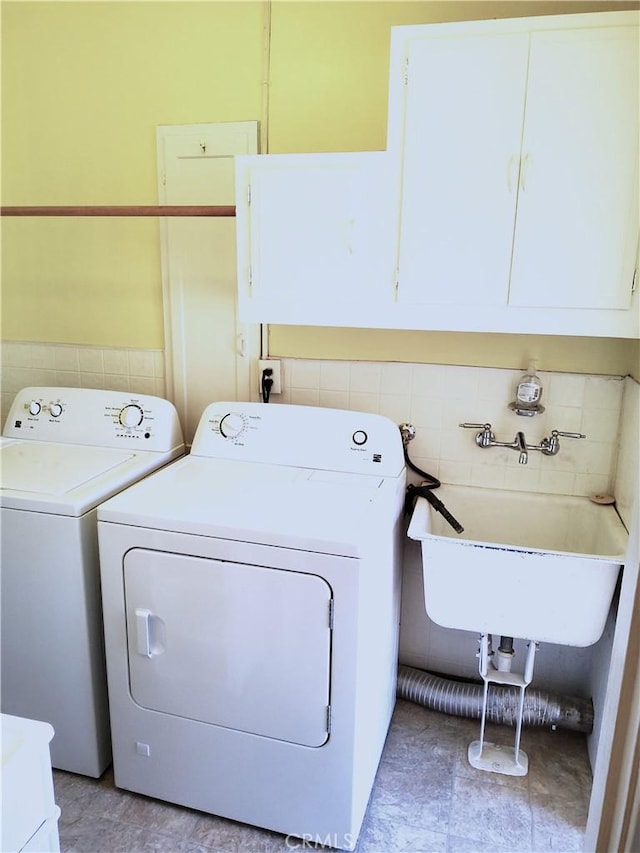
column 484, row 715
column 526, row 679
column 494, row 757
column 483, row 656
column 516, row 747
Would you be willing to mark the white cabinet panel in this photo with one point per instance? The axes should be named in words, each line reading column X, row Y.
column 578, row 204
column 28, row 809
column 464, row 115
column 315, row 237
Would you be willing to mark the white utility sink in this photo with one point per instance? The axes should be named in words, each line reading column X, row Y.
column 537, row 566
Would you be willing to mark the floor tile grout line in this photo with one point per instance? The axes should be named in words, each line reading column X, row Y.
column 117, row 822
column 454, row 776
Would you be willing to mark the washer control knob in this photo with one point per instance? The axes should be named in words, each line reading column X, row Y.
column 55, row 409
column 232, row 425
column 35, row 407
column 359, row 437
column 131, row 416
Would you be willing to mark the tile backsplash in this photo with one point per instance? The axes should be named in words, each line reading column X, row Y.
column 627, row 486
column 434, row 398
column 68, row 366
column 437, row 398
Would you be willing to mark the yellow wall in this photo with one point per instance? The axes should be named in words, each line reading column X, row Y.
column 84, row 85
column 330, row 63
column 573, row 355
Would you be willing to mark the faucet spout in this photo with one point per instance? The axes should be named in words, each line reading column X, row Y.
column 521, row 445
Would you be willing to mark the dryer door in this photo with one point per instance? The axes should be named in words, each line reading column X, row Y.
column 245, row 647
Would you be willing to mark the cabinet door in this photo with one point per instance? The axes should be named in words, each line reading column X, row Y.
column 315, row 244
column 463, row 125
column 196, row 166
column 577, row 222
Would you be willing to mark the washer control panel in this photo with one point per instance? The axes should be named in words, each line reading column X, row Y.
column 94, row 417
column 301, row 436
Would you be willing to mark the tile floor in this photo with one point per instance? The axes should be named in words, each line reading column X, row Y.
column 426, row 798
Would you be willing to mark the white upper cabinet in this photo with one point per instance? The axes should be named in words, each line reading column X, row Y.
column 315, row 238
column 516, row 149
column 507, row 199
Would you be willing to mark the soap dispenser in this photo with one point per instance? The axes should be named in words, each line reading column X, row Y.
column 528, row 394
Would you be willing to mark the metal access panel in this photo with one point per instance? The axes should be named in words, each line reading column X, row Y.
column 234, row 645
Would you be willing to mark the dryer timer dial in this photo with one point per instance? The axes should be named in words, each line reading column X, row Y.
column 232, row 425
column 131, row 415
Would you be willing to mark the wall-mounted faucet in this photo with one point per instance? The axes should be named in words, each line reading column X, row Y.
column 522, row 447
column 549, row 446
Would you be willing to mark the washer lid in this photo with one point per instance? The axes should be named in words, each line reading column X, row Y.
column 55, row 469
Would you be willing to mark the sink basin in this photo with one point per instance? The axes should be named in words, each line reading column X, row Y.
column 537, row 566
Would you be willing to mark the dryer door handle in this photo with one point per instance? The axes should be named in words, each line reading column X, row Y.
column 143, row 637
column 149, row 633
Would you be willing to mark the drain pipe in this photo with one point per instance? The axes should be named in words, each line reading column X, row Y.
column 464, row 699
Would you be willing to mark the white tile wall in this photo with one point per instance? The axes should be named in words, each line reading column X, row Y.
column 65, row 365
column 436, row 398
column 627, row 488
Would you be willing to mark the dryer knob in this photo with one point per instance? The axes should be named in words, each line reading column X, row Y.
column 55, row 409
column 35, row 407
column 131, row 416
column 232, row 425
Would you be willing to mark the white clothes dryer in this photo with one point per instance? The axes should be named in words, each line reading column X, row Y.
column 251, row 596
column 64, row 451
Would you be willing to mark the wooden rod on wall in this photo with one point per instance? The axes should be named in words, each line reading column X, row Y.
column 123, row 210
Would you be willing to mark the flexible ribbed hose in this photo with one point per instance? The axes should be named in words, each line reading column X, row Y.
column 464, row 699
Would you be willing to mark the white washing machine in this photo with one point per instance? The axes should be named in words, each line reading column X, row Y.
column 251, row 596
column 64, row 451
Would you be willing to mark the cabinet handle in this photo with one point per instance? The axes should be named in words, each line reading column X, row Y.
column 511, row 164
column 349, row 234
column 524, row 169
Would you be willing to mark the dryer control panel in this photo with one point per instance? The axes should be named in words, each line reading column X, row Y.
column 301, row 436
column 94, row 417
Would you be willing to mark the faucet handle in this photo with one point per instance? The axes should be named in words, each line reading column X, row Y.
column 550, row 446
column 484, row 436
column 557, row 432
